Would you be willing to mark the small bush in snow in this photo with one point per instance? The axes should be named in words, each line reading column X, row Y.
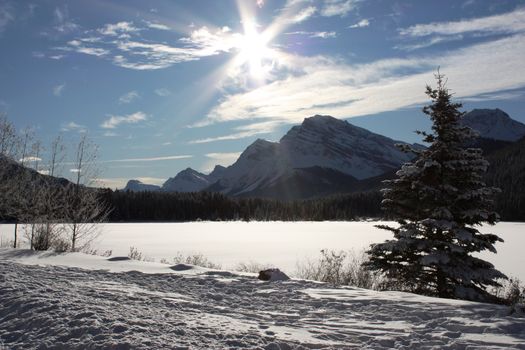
column 106, row 253
column 196, row 259
column 251, row 266
column 134, row 254
column 512, row 292
column 341, row 268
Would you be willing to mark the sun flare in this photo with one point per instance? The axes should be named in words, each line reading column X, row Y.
column 254, row 50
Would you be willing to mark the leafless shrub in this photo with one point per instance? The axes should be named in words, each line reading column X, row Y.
column 512, row 292
column 251, row 266
column 341, row 268
column 106, row 253
column 196, row 259
column 135, row 254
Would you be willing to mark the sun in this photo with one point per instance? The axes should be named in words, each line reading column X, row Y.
column 254, row 50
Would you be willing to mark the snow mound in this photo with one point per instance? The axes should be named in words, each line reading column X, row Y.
column 181, row 267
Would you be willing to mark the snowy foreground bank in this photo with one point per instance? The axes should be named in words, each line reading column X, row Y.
column 76, row 301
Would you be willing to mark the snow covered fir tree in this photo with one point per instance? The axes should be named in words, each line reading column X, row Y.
column 439, row 200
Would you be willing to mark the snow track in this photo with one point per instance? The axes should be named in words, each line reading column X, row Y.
column 57, row 307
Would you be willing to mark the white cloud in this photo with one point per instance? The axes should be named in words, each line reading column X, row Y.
column 30, row 159
column 326, row 86
column 163, row 92
column 361, row 24
column 506, row 23
column 110, row 134
column 158, row 26
column 72, row 126
column 337, row 7
column 260, row 3
column 114, row 120
column 129, row 97
column 119, row 28
column 57, row 90
column 225, row 159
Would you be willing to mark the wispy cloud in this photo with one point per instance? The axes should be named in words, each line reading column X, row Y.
column 322, row 35
column 129, row 97
column 244, row 131
column 224, row 159
column 428, row 42
column 82, row 46
column 506, row 23
column 163, row 92
column 498, row 96
column 337, row 7
column 63, row 24
column 361, row 24
column 304, row 14
column 121, row 43
column 158, row 26
column 59, row 89
column 327, row 86
column 150, row 159
column 115, row 120
column 72, row 126
column 6, row 15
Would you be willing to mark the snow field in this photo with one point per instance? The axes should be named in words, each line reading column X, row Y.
column 49, row 302
column 279, row 244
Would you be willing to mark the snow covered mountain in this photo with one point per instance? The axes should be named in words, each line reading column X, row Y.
column 320, row 142
column 138, row 186
column 494, row 124
column 190, row 180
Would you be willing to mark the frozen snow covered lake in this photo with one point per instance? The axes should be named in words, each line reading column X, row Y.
column 281, row 244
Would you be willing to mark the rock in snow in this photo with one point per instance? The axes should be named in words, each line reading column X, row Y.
column 273, row 275
column 51, row 305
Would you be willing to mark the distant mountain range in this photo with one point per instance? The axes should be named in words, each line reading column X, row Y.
column 324, row 156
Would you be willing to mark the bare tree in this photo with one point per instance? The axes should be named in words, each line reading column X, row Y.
column 8, row 138
column 85, row 209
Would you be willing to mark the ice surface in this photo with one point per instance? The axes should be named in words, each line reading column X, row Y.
column 278, row 244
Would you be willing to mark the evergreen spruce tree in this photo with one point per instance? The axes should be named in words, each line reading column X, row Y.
column 438, row 200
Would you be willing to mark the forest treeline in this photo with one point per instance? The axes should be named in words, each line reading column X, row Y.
column 127, row 206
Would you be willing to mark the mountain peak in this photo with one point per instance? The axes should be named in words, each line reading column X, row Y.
column 494, row 124
column 139, row 186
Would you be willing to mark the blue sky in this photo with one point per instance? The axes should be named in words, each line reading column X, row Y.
column 165, row 85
